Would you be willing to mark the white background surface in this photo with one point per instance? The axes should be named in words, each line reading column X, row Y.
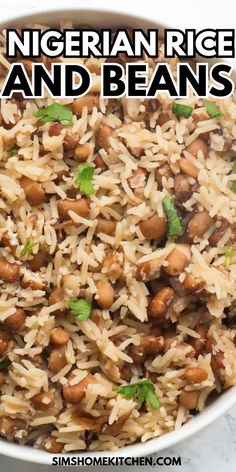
column 215, row 447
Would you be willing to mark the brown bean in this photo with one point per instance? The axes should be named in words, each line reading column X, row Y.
column 162, row 119
column 37, row 262
column 218, row 233
column 106, row 226
column 195, row 374
column 55, row 297
column 9, row 272
column 2, row 379
column 56, row 129
column 199, row 224
column 90, row 101
column 160, row 303
column 105, row 294
column 6, row 242
column 149, row 345
column 16, row 321
column 75, row 393
column 8, row 426
column 116, row 427
column 59, row 336
column 102, row 138
column 151, row 104
column 196, row 146
column 188, row 399
column 125, row 372
column 29, row 282
column 182, row 188
column 69, row 140
column 80, row 207
column 4, row 343
column 57, row 359
column 154, row 228
column 34, row 191
column 178, row 259
column 188, row 168
column 99, row 163
column 163, row 171
column 152, row 344
column 217, row 357
column 192, row 285
column 148, row 270
column 51, row 445
column 82, row 152
column 169, row 335
column 44, row 400
column 198, row 344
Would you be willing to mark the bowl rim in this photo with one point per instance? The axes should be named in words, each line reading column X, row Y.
column 228, row 398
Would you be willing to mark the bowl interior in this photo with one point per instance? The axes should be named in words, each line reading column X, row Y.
column 109, row 17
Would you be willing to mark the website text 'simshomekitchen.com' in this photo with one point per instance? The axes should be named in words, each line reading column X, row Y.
column 80, row 461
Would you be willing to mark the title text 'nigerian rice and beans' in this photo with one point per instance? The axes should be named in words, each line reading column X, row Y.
column 117, row 264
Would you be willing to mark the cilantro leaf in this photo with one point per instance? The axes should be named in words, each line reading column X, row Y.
column 80, row 308
column 84, row 180
column 13, row 152
column 182, row 110
column 143, row 391
column 55, row 112
column 175, row 227
column 28, row 246
column 228, row 256
column 213, row 110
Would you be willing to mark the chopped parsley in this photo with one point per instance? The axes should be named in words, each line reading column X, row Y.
column 175, row 228
column 213, row 110
column 80, row 308
column 228, row 256
column 84, row 178
column 13, row 152
column 143, row 391
column 182, row 110
column 28, row 246
column 57, row 113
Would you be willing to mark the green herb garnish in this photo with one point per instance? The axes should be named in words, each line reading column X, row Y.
column 13, row 152
column 175, row 227
column 80, row 308
column 55, row 112
column 182, row 110
column 213, row 110
column 228, row 256
column 233, row 188
column 28, row 246
column 143, row 391
column 4, row 365
column 84, row 179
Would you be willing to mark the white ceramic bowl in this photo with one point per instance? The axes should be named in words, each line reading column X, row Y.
column 98, row 15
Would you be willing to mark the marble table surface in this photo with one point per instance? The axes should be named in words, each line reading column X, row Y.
column 214, row 448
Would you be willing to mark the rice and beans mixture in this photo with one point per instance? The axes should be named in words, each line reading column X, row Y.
column 117, row 264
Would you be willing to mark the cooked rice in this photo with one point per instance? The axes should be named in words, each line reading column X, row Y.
column 78, row 258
